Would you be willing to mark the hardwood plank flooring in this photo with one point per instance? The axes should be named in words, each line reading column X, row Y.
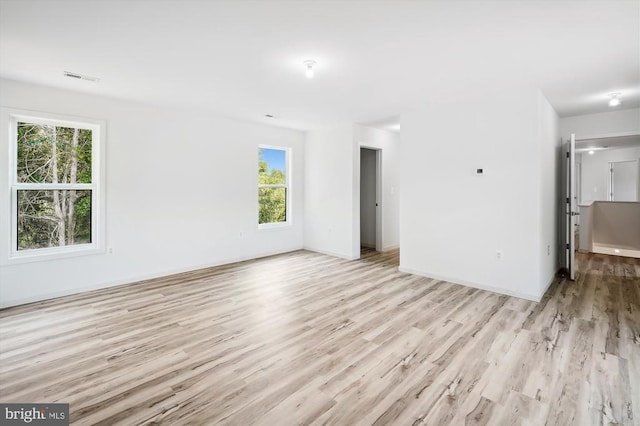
column 304, row 338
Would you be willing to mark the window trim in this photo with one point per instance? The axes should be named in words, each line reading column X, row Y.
column 287, row 159
column 10, row 118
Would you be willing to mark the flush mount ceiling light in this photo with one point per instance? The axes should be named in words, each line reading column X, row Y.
column 614, row 99
column 309, row 64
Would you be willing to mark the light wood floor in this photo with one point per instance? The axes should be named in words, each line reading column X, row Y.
column 306, row 338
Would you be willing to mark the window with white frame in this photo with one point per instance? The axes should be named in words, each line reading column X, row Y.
column 55, row 179
column 273, row 186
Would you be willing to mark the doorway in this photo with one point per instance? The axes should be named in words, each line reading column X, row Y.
column 370, row 182
column 607, row 180
column 623, row 181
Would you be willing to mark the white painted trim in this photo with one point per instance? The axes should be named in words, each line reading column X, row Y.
column 331, row 253
column 465, row 283
column 10, row 117
column 288, row 159
column 274, row 225
column 392, row 247
column 378, row 176
column 600, row 249
column 136, row 279
column 379, row 204
column 54, row 253
column 52, row 186
column 608, row 135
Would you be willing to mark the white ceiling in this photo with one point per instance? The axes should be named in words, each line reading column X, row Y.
column 391, row 124
column 375, row 59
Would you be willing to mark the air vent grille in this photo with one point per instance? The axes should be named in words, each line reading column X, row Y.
column 81, row 76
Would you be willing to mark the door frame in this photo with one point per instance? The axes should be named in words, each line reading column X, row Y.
column 379, row 205
column 611, row 173
column 571, row 206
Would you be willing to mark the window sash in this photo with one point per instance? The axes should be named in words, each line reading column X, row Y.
column 97, row 149
column 285, row 185
column 97, row 244
column 52, row 186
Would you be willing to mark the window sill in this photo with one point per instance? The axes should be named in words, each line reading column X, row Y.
column 279, row 225
column 48, row 254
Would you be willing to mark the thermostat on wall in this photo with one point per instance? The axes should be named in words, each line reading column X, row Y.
column 480, row 172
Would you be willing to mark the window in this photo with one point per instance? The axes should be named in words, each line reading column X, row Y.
column 55, row 192
column 273, row 187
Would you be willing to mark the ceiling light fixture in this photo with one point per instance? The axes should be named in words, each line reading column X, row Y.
column 592, row 152
column 614, row 99
column 309, row 63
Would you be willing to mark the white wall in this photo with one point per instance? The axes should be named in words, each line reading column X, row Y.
column 595, row 171
column 368, row 198
column 551, row 210
column 623, row 121
column 332, row 188
column 389, row 144
column 330, row 179
column 617, row 225
column 452, row 221
column 180, row 189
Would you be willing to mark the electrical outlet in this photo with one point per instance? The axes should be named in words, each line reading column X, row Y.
column 499, row 255
column 110, row 250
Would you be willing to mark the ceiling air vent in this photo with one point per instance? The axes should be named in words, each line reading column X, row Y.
column 81, row 77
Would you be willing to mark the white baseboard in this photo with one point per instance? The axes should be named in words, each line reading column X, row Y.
column 331, row 253
column 526, row 296
column 389, row 248
column 604, row 249
column 135, row 279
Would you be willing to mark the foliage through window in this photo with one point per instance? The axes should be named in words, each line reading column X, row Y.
column 53, row 185
column 273, row 189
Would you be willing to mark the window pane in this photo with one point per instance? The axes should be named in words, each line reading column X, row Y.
column 53, row 218
column 53, row 154
column 273, row 205
column 272, row 167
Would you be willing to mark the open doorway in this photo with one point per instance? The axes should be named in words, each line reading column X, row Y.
column 609, row 195
column 370, row 211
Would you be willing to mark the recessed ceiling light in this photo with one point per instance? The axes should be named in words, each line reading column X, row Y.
column 309, row 64
column 81, row 76
column 614, row 99
column 592, row 152
column 616, row 250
